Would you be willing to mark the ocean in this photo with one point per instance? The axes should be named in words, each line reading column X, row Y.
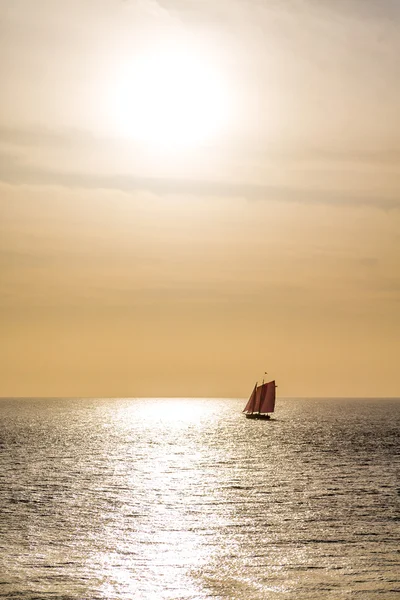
column 179, row 499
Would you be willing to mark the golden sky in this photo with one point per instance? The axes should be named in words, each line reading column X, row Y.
column 195, row 191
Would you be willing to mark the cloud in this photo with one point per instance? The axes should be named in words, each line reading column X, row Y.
column 78, row 140
column 45, row 157
column 14, row 171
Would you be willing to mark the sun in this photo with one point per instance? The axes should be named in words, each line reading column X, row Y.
column 171, row 97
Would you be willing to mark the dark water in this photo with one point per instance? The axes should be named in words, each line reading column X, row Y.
column 178, row 499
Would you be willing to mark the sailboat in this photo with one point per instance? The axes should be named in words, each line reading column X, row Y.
column 261, row 401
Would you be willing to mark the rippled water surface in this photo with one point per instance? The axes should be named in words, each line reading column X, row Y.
column 186, row 499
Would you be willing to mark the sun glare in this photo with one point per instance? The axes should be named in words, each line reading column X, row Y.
column 171, row 97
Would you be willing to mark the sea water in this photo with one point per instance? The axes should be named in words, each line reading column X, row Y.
column 156, row 499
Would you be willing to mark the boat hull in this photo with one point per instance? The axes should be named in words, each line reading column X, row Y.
column 258, row 416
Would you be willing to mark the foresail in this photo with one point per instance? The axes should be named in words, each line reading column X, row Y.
column 268, row 398
column 259, row 398
column 251, row 402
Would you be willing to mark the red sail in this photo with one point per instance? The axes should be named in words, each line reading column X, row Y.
column 268, row 398
column 259, row 397
column 251, row 402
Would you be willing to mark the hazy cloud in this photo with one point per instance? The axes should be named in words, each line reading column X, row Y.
column 14, row 172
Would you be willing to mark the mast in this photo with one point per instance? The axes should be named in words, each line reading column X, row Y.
column 261, row 397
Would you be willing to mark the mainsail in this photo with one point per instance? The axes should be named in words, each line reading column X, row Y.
column 262, row 399
column 268, row 401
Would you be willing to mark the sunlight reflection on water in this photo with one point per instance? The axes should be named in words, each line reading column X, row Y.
column 186, row 499
column 174, row 412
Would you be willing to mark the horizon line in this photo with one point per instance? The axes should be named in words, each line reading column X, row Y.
column 319, row 397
